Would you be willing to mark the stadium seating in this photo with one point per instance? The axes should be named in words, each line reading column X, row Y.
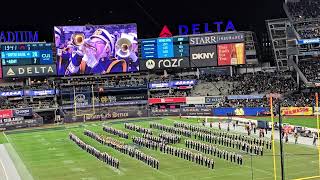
column 305, row 15
column 310, row 69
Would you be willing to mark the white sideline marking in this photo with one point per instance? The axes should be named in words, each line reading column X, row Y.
column 4, row 134
column 4, row 170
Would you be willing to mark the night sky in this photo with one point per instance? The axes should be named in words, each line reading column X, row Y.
column 150, row 16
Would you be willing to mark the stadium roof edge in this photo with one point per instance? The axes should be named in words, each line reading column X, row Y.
column 278, row 19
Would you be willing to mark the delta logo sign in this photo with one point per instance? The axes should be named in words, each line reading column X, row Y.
column 200, row 28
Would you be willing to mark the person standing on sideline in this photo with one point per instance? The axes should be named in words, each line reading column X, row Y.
column 286, row 137
column 314, row 137
column 296, row 138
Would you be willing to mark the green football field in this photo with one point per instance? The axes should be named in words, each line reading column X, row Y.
column 48, row 154
column 305, row 121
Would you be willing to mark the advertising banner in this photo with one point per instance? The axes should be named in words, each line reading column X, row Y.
column 108, row 104
column 172, row 84
column 131, row 97
column 296, row 111
column 308, row 41
column 195, row 100
column 22, row 112
column 167, row 100
column 158, row 85
column 247, row 111
column 123, row 103
column 19, row 122
column 203, row 56
column 182, row 83
column 105, row 115
column 29, row 70
column 183, row 87
column 216, row 39
column 11, row 93
column 96, row 49
column 257, row 96
column 196, row 111
column 165, row 112
column 167, row 63
column 212, row 99
column 39, row 92
column 6, row 113
column 231, row 54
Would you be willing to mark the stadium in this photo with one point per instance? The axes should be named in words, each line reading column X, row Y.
column 99, row 102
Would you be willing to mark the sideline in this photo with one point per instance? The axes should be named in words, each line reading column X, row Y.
column 8, row 164
column 4, row 170
column 4, row 134
column 311, row 177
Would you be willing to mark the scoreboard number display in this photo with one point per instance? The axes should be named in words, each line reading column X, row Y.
column 162, row 48
column 26, row 54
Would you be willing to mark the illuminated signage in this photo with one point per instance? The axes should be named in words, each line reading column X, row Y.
column 206, row 28
column 19, row 36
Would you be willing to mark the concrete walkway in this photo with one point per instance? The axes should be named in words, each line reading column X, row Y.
column 7, row 169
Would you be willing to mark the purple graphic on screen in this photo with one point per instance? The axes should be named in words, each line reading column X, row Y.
column 96, row 49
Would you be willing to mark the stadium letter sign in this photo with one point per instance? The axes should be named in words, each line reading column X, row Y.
column 29, row 70
column 19, row 36
column 205, row 28
column 216, row 39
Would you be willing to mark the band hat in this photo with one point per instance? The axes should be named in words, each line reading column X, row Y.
column 135, row 37
column 105, row 36
column 57, row 31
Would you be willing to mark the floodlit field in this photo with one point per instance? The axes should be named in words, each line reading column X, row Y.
column 48, row 154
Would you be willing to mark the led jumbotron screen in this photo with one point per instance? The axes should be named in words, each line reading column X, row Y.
column 96, row 49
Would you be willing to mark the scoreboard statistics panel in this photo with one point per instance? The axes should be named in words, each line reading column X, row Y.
column 163, row 53
column 26, row 54
column 165, row 48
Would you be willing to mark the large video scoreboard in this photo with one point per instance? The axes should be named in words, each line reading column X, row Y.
column 26, row 54
column 216, row 49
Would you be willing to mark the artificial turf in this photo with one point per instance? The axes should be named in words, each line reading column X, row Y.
column 305, row 121
column 48, row 154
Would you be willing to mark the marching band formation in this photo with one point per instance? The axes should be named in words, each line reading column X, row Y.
column 114, row 162
column 125, row 149
column 117, row 132
column 173, row 135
